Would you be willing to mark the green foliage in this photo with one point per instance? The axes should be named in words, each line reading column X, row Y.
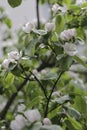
column 40, row 73
column 14, row 3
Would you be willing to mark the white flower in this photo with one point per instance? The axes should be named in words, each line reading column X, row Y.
column 32, row 115
column 57, row 7
column 47, row 121
column 14, row 55
column 50, row 26
column 18, row 123
column 68, row 34
column 6, row 63
column 78, row 2
column 70, row 49
column 27, row 28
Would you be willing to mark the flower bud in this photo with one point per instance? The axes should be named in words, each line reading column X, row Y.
column 50, row 27
column 46, row 121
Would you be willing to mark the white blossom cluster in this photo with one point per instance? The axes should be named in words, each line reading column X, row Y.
column 13, row 57
column 69, row 48
column 20, row 121
column 30, row 26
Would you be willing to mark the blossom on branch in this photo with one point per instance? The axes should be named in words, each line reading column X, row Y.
column 12, row 59
column 14, row 55
column 27, row 28
column 68, row 34
column 6, row 63
column 56, row 8
column 30, row 116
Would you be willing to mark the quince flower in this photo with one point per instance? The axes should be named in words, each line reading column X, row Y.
column 6, row 63
column 18, row 123
column 68, row 34
column 57, row 7
column 70, row 49
column 14, row 55
column 50, row 26
column 32, row 115
column 27, row 28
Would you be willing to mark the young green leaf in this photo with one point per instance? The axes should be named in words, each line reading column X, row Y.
column 78, row 59
column 51, row 127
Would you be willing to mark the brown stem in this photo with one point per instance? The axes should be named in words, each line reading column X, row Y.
column 37, row 13
column 41, row 85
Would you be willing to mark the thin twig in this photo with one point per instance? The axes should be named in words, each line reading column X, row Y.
column 37, row 13
column 41, row 85
column 49, row 98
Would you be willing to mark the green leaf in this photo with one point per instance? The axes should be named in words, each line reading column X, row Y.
column 74, row 8
column 54, row 112
column 9, row 79
column 65, row 62
column 14, row 3
column 34, row 101
column 62, row 99
column 73, row 112
column 59, row 24
column 73, row 123
column 49, row 76
column 84, row 5
column 80, row 105
column 51, row 127
column 30, row 47
column 35, row 126
column 8, row 22
column 78, row 59
column 40, row 32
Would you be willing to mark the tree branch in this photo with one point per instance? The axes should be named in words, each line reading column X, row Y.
column 49, row 98
column 41, row 85
column 37, row 14
column 11, row 100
